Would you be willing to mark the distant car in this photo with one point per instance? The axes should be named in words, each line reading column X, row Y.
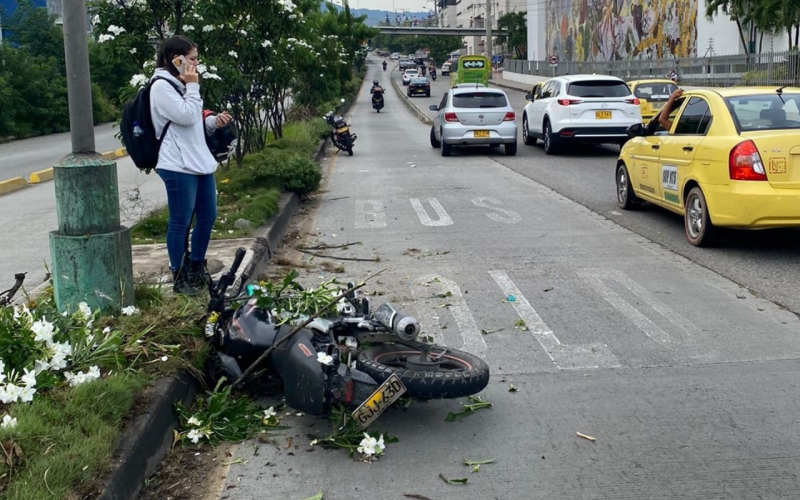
column 652, row 94
column 409, row 74
column 419, row 86
column 474, row 117
column 594, row 109
column 406, row 64
column 445, row 69
column 419, row 61
column 395, row 56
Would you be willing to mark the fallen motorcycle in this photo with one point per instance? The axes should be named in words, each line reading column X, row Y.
column 361, row 358
column 341, row 137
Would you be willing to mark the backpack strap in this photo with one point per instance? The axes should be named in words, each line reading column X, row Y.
column 179, row 91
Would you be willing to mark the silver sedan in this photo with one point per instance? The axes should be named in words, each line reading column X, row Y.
column 474, row 115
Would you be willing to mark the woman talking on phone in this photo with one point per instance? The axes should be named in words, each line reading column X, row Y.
column 184, row 161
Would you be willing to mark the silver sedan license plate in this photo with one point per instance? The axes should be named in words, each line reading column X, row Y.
column 389, row 392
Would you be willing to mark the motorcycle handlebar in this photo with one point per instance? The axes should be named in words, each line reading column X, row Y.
column 237, row 260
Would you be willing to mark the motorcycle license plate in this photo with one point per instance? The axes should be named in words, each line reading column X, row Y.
column 389, row 392
column 342, row 130
column 481, row 133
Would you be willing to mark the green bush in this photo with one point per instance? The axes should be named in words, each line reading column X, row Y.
column 103, row 110
column 294, row 171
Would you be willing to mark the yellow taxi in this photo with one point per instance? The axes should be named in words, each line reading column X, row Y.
column 652, row 94
column 728, row 160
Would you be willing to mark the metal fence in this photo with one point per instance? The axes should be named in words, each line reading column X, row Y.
column 774, row 68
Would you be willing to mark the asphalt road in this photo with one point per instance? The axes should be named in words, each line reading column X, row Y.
column 687, row 381
column 762, row 261
column 21, row 158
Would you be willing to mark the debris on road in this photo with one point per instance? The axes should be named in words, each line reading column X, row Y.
column 520, row 325
column 479, row 462
column 511, row 298
column 487, row 332
column 512, row 388
column 477, row 404
column 318, row 496
column 462, row 480
column 414, row 495
column 586, row 437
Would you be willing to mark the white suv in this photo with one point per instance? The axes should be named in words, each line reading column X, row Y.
column 581, row 108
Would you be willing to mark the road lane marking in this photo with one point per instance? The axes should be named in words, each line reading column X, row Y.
column 444, row 219
column 370, row 214
column 597, row 279
column 565, row 357
column 488, row 202
column 473, row 341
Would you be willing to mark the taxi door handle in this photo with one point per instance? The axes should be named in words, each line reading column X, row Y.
column 655, row 146
column 688, row 148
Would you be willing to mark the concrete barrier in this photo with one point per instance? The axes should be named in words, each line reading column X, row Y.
column 11, row 185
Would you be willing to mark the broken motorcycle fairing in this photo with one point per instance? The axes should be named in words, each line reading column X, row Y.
column 342, row 358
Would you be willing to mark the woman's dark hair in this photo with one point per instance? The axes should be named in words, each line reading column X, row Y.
column 170, row 49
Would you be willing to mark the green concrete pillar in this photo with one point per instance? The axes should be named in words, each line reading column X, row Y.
column 90, row 251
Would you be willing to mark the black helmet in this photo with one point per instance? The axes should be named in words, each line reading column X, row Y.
column 375, row 82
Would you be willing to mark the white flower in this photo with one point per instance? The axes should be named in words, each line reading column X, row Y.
column 201, row 68
column 39, row 366
column 212, row 76
column 367, row 445
column 293, row 16
column 269, row 68
column 270, row 412
column 325, row 359
column 187, row 27
column 94, row 373
column 164, row 358
column 95, row 20
column 19, row 311
column 106, row 330
column 207, row 28
column 105, row 38
column 380, row 445
column 116, row 30
column 26, row 394
column 266, row 43
column 314, row 442
column 213, row 68
column 233, row 54
column 2, row 371
column 5, row 397
column 193, row 421
column 350, row 342
column 243, row 32
column 9, row 422
column 130, row 310
column 321, row 75
column 138, row 81
column 133, row 50
column 194, row 436
column 85, row 310
column 29, row 378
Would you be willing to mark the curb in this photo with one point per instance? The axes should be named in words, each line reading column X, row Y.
column 148, row 438
column 41, row 176
column 117, row 153
column 11, row 185
column 414, row 109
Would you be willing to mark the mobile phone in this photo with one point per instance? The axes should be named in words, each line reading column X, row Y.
column 180, row 64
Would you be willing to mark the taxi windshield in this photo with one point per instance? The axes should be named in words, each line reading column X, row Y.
column 653, row 91
column 765, row 111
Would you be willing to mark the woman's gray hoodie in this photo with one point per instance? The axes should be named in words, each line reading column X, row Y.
column 184, row 147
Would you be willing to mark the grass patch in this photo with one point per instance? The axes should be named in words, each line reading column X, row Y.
column 62, row 443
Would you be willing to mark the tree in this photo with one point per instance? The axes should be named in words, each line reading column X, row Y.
column 739, row 12
column 517, row 27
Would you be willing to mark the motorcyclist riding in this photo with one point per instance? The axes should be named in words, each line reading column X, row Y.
column 377, row 96
column 433, row 72
column 374, row 84
column 384, row 65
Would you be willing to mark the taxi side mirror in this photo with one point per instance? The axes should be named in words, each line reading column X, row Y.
column 636, row 130
column 433, row 107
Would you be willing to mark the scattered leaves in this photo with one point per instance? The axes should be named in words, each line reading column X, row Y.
column 477, row 404
column 586, row 437
column 512, row 388
column 520, row 325
column 479, row 462
column 462, row 480
column 318, row 496
column 487, row 332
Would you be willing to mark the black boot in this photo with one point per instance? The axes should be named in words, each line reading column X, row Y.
column 198, row 274
column 182, row 283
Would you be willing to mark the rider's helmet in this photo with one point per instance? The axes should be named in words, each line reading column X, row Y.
column 375, row 83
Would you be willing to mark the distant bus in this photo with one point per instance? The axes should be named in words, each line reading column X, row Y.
column 454, row 56
column 470, row 69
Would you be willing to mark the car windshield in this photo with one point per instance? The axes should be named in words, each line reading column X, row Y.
column 419, row 80
column 765, row 111
column 599, row 88
column 655, row 90
column 480, row 100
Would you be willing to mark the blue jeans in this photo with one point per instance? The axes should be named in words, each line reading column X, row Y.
column 188, row 195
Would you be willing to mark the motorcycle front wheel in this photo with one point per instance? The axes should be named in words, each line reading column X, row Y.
column 457, row 374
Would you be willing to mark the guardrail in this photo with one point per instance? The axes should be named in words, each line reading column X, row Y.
column 772, row 68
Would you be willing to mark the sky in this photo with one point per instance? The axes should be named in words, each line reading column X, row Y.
column 412, row 5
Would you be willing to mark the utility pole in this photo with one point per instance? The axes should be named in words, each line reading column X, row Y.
column 488, row 44
column 90, row 250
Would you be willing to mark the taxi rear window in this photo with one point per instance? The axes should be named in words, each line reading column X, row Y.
column 480, row 100
column 765, row 111
column 654, row 91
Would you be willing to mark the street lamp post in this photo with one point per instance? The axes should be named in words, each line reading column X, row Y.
column 488, row 44
column 90, row 250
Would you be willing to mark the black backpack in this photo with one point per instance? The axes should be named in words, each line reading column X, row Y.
column 137, row 129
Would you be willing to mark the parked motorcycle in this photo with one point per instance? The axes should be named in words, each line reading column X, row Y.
column 355, row 356
column 340, row 135
column 377, row 99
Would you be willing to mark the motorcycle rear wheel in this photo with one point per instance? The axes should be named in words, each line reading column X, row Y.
column 461, row 374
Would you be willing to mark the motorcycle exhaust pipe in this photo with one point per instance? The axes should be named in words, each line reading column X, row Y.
column 405, row 327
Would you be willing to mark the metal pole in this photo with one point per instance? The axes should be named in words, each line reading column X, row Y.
column 1, row 30
column 79, row 87
column 488, row 43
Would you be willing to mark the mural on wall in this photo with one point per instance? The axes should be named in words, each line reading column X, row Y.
column 606, row 30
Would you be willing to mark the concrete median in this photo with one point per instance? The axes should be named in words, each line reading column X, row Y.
column 11, row 185
column 414, row 109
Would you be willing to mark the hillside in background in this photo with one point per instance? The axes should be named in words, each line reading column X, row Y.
column 376, row 16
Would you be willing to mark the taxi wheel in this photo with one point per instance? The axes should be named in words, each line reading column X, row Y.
column 626, row 198
column 447, row 149
column 435, row 143
column 699, row 230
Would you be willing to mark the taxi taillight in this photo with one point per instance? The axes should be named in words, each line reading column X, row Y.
column 744, row 163
column 450, row 117
column 510, row 117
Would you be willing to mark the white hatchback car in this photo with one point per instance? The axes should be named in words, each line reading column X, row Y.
column 595, row 109
column 473, row 115
column 409, row 75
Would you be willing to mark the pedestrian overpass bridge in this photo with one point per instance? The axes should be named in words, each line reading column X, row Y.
column 418, row 30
